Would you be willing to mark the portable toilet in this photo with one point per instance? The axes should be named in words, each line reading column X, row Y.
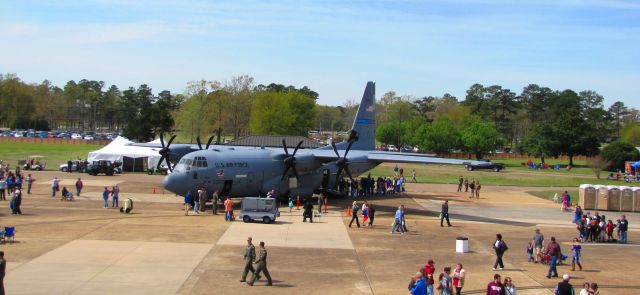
column 587, row 196
column 614, row 198
column 636, row 199
column 626, row 199
column 602, row 196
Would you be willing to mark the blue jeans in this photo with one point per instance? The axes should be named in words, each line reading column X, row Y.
column 106, row 202
column 623, row 236
column 552, row 266
column 429, row 289
column 397, row 224
column 196, row 207
column 114, row 201
column 53, row 191
column 78, row 192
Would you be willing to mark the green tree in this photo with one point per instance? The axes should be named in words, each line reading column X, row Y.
column 270, row 114
column 440, row 137
column 617, row 111
column 631, row 133
column 618, row 152
column 541, row 142
column 140, row 126
column 480, row 138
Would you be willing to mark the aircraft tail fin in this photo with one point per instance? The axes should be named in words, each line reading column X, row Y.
column 365, row 121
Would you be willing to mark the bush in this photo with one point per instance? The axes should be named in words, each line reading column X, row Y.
column 618, row 152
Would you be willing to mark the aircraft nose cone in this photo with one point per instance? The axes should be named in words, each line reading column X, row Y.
column 172, row 184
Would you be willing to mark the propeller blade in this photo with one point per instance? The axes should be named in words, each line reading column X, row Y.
column 209, row 142
column 295, row 172
column 346, row 169
column 297, row 147
column 171, row 140
column 162, row 139
column 333, row 144
column 338, row 176
column 284, row 144
column 169, row 164
column 199, row 143
column 284, row 174
column 160, row 163
column 348, row 148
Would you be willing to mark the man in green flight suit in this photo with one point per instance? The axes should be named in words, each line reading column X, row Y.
column 261, row 266
column 249, row 257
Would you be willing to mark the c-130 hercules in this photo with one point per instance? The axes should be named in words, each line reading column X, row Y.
column 253, row 171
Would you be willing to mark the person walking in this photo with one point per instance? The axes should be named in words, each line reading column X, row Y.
column 214, row 203
column 413, row 176
column 458, row 278
column 624, row 227
column 554, row 251
column 499, row 246
column 576, row 251
column 3, row 187
column 290, row 204
column 16, row 200
column 30, row 181
column 446, row 286
column 187, row 202
column 3, row 271
column 444, row 213
column 466, row 185
column 261, row 267
column 249, row 258
column 372, row 214
column 115, row 193
column 54, row 187
column 354, row 213
column 105, row 197
column 196, row 201
column 509, row 287
column 478, row 187
column 429, row 270
column 538, row 244
column 79, row 186
column 564, row 287
column 228, row 209
column 460, row 182
column 365, row 213
column 308, row 211
column 495, row 287
column 397, row 222
column 472, row 186
column 320, row 199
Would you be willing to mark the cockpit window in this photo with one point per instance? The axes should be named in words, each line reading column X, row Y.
column 200, row 162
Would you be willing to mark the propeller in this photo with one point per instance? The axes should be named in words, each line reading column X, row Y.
column 290, row 160
column 164, row 152
column 208, row 142
column 342, row 163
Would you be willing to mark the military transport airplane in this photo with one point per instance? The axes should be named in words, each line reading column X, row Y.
column 253, row 171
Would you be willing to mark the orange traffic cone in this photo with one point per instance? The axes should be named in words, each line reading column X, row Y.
column 348, row 211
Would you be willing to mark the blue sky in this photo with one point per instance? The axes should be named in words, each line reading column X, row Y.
column 415, row 48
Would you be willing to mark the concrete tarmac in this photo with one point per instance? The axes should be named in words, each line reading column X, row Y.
column 81, row 248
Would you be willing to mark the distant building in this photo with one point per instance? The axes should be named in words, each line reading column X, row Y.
column 275, row 141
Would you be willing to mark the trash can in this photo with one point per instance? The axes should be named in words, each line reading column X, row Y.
column 614, row 198
column 626, row 199
column 462, row 244
column 588, row 196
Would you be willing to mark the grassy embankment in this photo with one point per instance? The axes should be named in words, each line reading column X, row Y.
column 54, row 154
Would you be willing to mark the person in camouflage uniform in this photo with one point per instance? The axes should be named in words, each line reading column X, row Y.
column 261, row 266
column 249, row 258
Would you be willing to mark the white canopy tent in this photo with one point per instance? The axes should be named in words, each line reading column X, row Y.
column 130, row 156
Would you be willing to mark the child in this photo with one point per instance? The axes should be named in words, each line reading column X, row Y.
column 530, row 252
column 290, row 204
column 576, row 250
column 610, row 227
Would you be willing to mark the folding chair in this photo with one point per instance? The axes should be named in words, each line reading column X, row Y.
column 9, row 232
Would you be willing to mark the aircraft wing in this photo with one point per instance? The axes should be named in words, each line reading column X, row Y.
column 417, row 158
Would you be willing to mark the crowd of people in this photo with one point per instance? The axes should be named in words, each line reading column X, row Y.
column 597, row 228
column 11, row 187
column 472, row 186
column 448, row 282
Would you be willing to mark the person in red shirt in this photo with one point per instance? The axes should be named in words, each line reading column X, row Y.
column 429, row 269
column 610, row 227
column 495, row 287
column 228, row 210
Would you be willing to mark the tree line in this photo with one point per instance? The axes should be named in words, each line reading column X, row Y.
column 231, row 108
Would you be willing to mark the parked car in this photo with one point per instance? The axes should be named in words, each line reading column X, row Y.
column 392, row 148
column 74, row 166
column 406, row 149
column 488, row 165
column 101, row 166
column 63, row 135
column 89, row 137
column 76, row 136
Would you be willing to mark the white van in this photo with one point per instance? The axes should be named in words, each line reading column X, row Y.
column 265, row 209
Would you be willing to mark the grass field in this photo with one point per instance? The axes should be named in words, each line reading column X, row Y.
column 54, row 154
column 548, row 195
column 510, row 176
